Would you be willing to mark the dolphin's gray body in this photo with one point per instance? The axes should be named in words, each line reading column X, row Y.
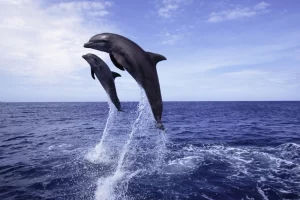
column 141, row 65
column 105, row 77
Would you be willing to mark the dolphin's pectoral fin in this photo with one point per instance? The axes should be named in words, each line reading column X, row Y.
column 156, row 57
column 92, row 73
column 115, row 74
column 117, row 60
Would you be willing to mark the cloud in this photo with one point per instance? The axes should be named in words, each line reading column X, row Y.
column 243, row 73
column 176, row 35
column 239, row 12
column 261, row 6
column 243, row 58
column 44, row 42
column 260, row 79
column 170, row 39
column 234, row 72
column 169, row 8
column 84, row 7
column 248, row 84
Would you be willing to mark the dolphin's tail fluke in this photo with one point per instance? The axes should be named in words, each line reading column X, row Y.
column 160, row 126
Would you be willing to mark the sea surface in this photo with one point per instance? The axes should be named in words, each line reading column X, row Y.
column 210, row 150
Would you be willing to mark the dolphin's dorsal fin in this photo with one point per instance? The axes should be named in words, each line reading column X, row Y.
column 117, row 60
column 156, row 57
column 92, row 73
column 115, row 74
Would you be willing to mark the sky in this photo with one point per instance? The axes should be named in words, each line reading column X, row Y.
column 221, row 50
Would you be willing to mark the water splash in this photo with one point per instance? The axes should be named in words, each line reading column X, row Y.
column 142, row 112
column 161, row 150
column 115, row 186
column 261, row 192
column 100, row 154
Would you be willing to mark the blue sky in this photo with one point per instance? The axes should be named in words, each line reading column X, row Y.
column 216, row 50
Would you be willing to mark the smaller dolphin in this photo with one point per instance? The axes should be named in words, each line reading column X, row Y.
column 105, row 77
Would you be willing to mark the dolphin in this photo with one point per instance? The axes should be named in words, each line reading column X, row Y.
column 141, row 65
column 105, row 77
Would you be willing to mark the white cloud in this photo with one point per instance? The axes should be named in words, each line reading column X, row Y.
column 261, row 6
column 169, row 8
column 242, row 55
column 247, row 84
column 84, row 7
column 170, row 39
column 176, row 35
column 238, row 13
column 211, row 61
column 243, row 73
column 45, row 42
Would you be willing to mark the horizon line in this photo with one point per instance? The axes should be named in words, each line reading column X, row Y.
column 163, row 101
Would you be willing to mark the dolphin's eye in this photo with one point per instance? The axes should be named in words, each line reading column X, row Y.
column 95, row 60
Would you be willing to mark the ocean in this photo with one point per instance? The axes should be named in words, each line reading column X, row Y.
column 209, row 150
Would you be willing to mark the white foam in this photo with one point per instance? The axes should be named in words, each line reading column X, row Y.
column 258, row 164
column 62, row 147
column 249, row 198
column 182, row 165
column 160, row 150
column 100, row 154
column 115, row 186
column 206, row 197
column 261, row 192
column 51, row 147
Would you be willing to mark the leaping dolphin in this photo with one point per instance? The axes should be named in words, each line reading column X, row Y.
column 141, row 65
column 105, row 77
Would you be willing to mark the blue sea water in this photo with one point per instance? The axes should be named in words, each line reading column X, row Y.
column 210, row 150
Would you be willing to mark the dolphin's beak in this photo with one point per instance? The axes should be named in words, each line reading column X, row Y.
column 88, row 44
